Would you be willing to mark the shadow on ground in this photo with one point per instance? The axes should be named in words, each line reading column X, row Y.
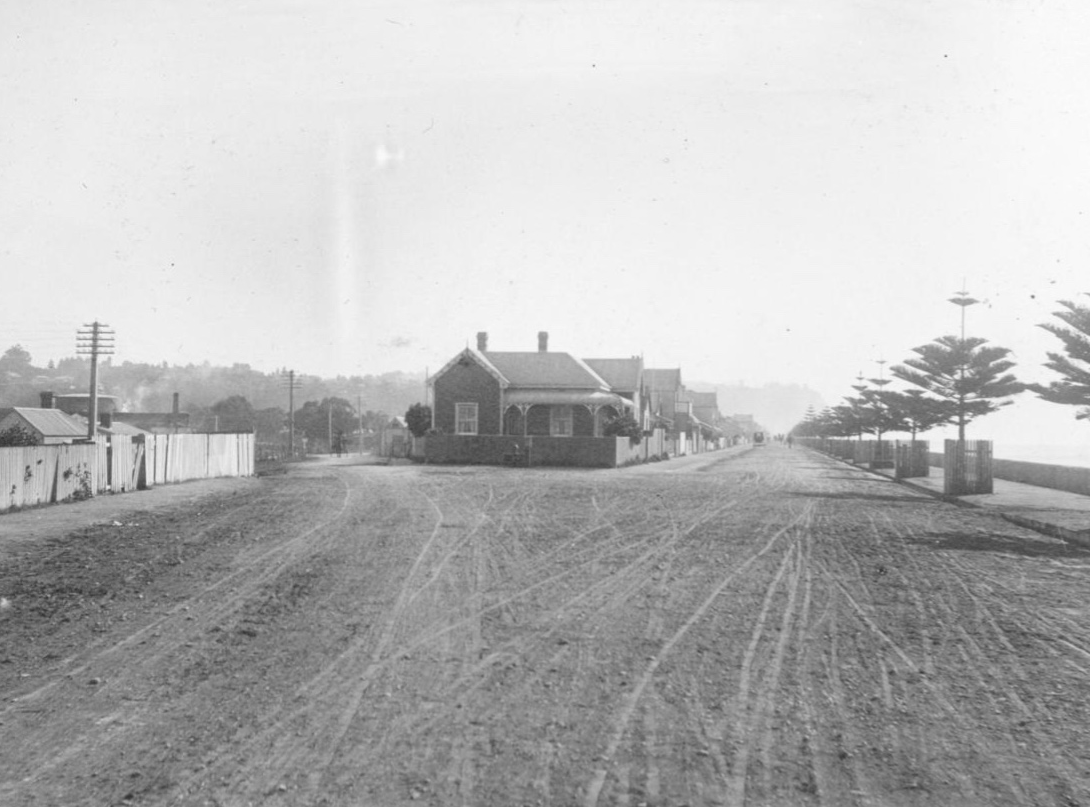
column 982, row 542
column 866, row 497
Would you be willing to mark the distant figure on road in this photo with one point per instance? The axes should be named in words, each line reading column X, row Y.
column 790, row 441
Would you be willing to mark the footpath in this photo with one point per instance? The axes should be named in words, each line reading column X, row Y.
column 1056, row 513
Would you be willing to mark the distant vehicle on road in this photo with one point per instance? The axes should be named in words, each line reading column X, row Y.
column 758, row 438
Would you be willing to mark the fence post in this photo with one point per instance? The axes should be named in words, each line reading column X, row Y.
column 141, row 471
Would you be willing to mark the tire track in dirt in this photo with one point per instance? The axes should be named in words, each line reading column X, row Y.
column 753, row 701
column 601, row 596
column 623, row 718
column 993, row 680
column 893, row 556
column 387, row 653
column 335, row 691
column 276, row 559
column 57, row 743
column 610, row 591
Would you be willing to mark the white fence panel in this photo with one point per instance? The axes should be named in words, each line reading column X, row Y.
column 35, row 475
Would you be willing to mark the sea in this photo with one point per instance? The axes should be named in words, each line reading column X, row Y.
column 1073, row 455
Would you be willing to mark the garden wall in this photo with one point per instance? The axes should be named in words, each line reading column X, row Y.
column 491, row 449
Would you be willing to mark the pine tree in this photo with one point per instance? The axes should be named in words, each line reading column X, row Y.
column 972, row 376
column 918, row 412
column 1074, row 389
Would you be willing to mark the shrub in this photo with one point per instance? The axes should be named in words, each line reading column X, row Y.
column 624, row 426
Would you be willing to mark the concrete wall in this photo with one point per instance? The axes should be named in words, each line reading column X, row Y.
column 1057, row 477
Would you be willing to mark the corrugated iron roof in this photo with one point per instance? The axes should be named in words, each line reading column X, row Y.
column 51, row 422
column 545, row 369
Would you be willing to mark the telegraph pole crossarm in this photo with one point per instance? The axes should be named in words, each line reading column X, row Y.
column 94, row 339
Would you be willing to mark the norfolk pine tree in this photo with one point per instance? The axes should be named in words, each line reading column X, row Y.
column 918, row 412
column 1074, row 389
column 972, row 376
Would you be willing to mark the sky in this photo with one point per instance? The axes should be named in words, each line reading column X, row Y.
column 755, row 192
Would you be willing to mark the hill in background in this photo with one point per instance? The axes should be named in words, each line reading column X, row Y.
column 140, row 387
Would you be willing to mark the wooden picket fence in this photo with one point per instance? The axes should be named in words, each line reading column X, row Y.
column 967, row 467
column 37, row 475
column 911, row 459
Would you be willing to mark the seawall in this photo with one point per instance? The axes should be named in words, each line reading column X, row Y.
column 1056, row 477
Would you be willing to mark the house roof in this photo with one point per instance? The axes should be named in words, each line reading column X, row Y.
column 622, row 375
column 565, row 397
column 704, row 400
column 545, row 369
column 659, row 379
column 51, row 422
column 466, row 356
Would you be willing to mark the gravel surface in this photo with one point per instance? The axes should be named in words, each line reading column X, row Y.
column 768, row 627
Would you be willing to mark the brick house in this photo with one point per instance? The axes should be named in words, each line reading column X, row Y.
column 529, row 398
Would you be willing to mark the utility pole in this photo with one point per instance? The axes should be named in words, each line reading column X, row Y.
column 94, row 339
column 359, row 413
column 329, row 425
column 292, row 383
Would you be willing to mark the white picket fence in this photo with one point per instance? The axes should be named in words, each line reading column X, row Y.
column 36, row 475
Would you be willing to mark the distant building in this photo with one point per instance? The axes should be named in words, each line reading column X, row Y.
column 49, row 426
column 395, row 438
column 77, row 403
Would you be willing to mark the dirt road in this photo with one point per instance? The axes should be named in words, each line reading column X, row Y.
column 768, row 627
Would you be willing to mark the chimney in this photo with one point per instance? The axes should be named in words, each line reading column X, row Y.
column 542, row 341
column 482, row 341
column 106, row 419
column 48, row 400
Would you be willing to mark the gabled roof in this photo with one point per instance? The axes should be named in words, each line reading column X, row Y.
column 703, row 400
column 545, row 370
column 623, row 375
column 658, row 379
column 51, row 422
column 470, row 355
